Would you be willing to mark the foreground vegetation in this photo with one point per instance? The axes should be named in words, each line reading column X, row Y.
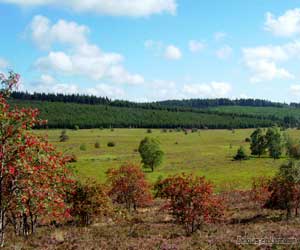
column 41, row 192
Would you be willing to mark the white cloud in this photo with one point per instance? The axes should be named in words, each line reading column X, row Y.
column 286, row 25
column 173, row 53
column 265, row 70
column 107, row 90
column 82, row 58
column 196, row 46
column 134, row 8
column 3, row 63
column 224, row 53
column 295, row 89
column 48, row 84
column 44, row 33
column 208, row 90
column 263, row 61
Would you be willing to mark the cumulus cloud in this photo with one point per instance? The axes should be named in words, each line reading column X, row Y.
column 224, row 53
column 82, row 59
column 44, row 34
column 286, row 25
column 196, row 46
column 263, row 61
column 134, row 8
column 48, row 84
column 208, row 90
column 173, row 53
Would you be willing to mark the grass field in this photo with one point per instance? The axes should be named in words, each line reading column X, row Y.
column 206, row 152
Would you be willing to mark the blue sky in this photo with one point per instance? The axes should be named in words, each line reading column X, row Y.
column 146, row 50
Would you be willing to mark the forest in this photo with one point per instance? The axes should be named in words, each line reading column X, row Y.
column 68, row 111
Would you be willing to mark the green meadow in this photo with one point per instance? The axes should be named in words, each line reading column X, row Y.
column 206, row 153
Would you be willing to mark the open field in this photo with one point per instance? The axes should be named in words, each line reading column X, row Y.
column 206, row 152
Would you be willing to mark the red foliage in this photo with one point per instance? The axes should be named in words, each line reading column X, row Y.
column 33, row 177
column 89, row 200
column 260, row 191
column 191, row 201
column 129, row 187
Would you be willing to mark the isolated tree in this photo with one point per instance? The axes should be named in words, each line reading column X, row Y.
column 151, row 153
column 241, row 154
column 258, row 144
column 128, row 186
column 63, row 136
column 274, row 140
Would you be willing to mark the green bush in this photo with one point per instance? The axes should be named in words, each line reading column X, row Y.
column 82, row 147
column 111, row 144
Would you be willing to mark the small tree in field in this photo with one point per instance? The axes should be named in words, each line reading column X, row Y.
column 33, row 178
column 258, row 144
column 274, row 142
column 241, row 155
column 191, row 201
column 129, row 187
column 151, row 153
column 63, row 136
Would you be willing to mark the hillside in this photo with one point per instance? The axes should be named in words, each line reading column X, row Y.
column 66, row 111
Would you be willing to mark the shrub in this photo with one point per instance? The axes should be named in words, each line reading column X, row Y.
column 111, row 144
column 241, row 155
column 191, row 201
column 247, row 139
column 97, row 144
column 294, row 151
column 283, row 191
column 89, row 201
column 129, row 187
column 149, row 131
column 82, row 147
column 63, row 136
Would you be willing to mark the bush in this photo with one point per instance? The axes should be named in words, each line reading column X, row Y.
column 88, row 201
column 63, row 136
column 149, row 131
column 129, row 187
column 294, row 151
column 190, row 200
column 111, row 144
column 82, row 147
column 241, row 155
column 247, row 139
column 97, row 144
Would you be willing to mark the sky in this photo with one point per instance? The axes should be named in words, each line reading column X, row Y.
column 150, row 50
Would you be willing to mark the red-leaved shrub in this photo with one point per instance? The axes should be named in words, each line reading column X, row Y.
column 191, row 201
column 129, row 187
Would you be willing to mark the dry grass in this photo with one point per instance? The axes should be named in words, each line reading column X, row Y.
column 152, row 229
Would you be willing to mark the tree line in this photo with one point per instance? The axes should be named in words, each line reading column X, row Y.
column 69, row 115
